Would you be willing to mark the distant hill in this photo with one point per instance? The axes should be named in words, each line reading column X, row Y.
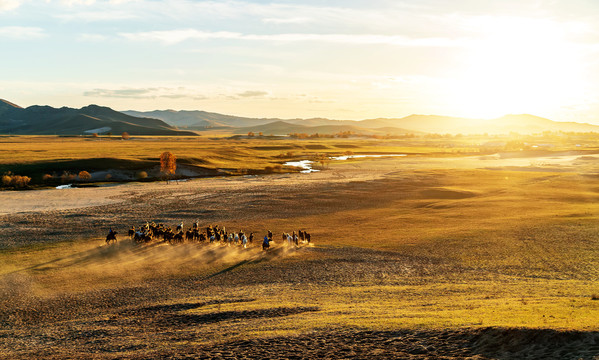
column 93, row 118
column 46, row 120
column 525, row 123
column 199, row 120
column 284, row 128
column 202, row 120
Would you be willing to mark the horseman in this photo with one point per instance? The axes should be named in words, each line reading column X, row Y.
column 111, row 236
column 266, row 243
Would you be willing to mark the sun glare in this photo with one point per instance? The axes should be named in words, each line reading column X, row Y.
column 518, row 66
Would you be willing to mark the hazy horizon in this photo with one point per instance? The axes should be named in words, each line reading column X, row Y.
column 343, row 60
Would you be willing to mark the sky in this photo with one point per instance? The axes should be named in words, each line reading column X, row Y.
column 304, row 59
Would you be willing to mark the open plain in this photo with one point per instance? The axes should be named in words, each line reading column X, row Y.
column 437, row 254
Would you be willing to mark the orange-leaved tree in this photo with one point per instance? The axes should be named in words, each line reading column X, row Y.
column 168, row 164
column 84, row 176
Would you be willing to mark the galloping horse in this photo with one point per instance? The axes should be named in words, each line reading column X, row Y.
column 266, row 243
column 111, row 237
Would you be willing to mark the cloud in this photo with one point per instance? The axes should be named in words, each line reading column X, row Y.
column 6, row 5
column 179, row 35
column 21, row 32
column 91, row 37
column 252, row 93
column 77, row 2
column 145, row 93
column 100, row 15
column 291, row 20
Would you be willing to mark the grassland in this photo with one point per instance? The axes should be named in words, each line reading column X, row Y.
column 436, row 254
column 35, row 156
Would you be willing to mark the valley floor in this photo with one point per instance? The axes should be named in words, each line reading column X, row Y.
column 411, row 257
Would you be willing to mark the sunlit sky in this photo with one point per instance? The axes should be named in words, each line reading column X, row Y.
column 288, row 59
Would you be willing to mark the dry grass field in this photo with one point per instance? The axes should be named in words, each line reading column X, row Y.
column 438, row 254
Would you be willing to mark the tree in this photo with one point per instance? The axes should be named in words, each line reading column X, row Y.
column 168, row 164
column 6, row 180
column 323, row 159
column 84, row 176
column 125, row 136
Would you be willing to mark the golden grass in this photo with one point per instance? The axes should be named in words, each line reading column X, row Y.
column 476, row 248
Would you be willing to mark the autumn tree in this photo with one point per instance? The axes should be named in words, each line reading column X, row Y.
column 6, row 179
column 125, row 136
column 84, row 176
column 323, row 159
column 168, row 164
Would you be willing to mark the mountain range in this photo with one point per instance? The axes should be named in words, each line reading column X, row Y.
column 414, row 124
column 46, row 120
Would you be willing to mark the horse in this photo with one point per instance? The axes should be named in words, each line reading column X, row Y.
column 140, row 237
column 189, row 235
column 266, row 243
column 178, row 238
column 131, row 232
column 111, row 237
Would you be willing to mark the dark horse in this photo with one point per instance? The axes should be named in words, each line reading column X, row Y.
column 266, row 243
column 111, row 237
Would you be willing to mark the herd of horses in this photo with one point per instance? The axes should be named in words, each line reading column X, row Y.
column 211, row 234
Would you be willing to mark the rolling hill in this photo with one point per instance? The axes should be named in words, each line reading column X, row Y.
column 523, row 123
column 46, row 120
column 67, row 121
column 284, row 127
column 200, row 120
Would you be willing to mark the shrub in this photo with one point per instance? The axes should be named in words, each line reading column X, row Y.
column 84, row 176
column 108, row 177
column 250, row 134
column 268, row 169
column 20, row 181
column 125, row 136
column 47, row 177
column 95, row 135
column 67, row 176
column 142, row 175
column 6, row 180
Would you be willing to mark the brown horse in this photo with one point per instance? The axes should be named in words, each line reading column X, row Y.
column 111, row 237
